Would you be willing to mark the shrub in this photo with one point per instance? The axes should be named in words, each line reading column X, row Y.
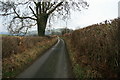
column 97, row 46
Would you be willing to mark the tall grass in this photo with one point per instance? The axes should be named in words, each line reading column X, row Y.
column 15, row 44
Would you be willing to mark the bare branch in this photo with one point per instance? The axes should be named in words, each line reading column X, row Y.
column 5, row 14
column 6, row 6
column 39, row 8
column 43, row 7
column 33, row 12
column 59, row 4
column 35, row 3
column 15, row 12
column 18, row 16
column 22, row 3
column 24, row 18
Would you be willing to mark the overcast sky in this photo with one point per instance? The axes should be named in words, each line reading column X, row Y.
column 98, row 11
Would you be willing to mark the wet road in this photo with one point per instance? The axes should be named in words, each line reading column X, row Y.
column 53, row 64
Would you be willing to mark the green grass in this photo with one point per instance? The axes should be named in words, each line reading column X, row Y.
column 9, row 74
column 4, row 35
column 79, row 71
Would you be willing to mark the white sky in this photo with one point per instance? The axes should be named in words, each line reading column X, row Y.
column 98, row 11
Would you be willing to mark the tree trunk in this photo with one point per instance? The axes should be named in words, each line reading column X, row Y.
column 41, row 24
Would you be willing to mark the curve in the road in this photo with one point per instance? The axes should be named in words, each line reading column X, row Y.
column 53, row 64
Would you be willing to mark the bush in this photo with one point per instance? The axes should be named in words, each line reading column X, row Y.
column 97, row 46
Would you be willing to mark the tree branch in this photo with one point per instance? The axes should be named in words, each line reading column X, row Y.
column 43, row 7
column 39, row 8
column 5, row 14
column 59, row 4
column 33, row 12
column 48, row 6
column 22, row 3
column 24, row 18
column 16, row 12
column 35, row 3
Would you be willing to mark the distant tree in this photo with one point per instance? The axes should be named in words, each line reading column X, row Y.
column 23, row 14
column 66, row 30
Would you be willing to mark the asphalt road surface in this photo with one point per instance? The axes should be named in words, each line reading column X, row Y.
column 53, row 64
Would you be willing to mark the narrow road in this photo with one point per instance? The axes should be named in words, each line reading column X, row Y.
column 53, row 64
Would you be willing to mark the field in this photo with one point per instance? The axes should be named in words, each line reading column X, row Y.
column 19, row 52
column 95, row 50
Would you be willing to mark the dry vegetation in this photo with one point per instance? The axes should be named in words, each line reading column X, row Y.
column 15, row 44
column 19, row 52
column 94, row 50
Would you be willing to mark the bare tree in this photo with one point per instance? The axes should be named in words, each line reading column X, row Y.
column 23, row 14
